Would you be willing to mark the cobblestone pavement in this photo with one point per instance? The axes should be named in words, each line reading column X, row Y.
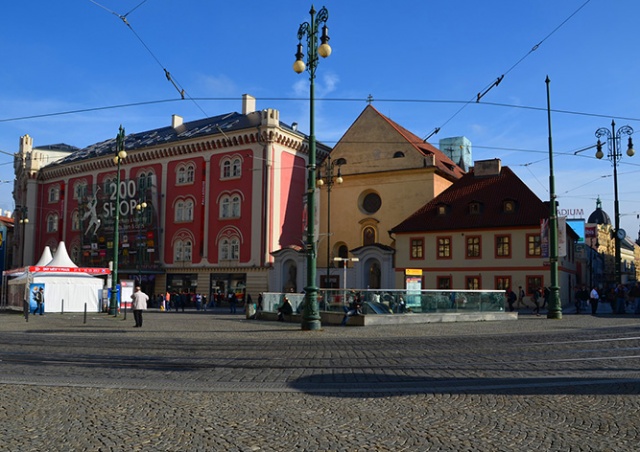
column 202, row 381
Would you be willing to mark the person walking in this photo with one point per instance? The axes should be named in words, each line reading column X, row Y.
column 511, row 298
column 537, row 294
column 139, row 304
column 621, row 296
column 233, row 302
column 521, row 296
column 594, row 297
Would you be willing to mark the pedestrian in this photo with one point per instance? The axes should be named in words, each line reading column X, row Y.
column 621, row 295
column 546, row 293
column 521, row 295
column 233, row 301
column 594, row 297
column 582, row 295
column 175, row 300
column 259, row 306
column 511, row 299
column 39, row 296
column 285, row 309
column 139, row 304
column 537, row 294
column 198, row 301
column 634, row 294
column 355, row 308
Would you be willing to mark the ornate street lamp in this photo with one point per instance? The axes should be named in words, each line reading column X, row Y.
column 614, row 155
column 121, row 154
column 24, row 221
column 345, row 261
column 311, row 314
column 328, row 180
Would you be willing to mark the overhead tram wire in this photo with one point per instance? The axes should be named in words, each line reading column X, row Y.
column 495, row 83
column 167, row 74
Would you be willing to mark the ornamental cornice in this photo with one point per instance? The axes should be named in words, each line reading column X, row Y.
column 177, row 149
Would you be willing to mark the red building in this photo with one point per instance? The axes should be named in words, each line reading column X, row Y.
column 203, row 204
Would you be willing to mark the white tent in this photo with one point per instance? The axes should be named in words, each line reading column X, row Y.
column 66, row 287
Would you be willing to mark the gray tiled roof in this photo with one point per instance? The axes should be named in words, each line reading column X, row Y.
column 216, row 125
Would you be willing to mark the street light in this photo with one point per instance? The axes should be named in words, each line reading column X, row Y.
column 120, row 155
column 329, row 180
column 614, row 155
column 345, row 261
column 311, row 313
column 24, row 221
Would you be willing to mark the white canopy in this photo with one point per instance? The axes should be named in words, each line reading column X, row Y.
column 63, row 290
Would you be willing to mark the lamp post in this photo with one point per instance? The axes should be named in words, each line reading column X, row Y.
column 311, row 314
column 24, row 220
column 121, row 154
column 328, row 180
column 614, row 154
column 345, row 261
column 555, row 305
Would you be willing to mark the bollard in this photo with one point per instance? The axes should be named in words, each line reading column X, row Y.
column 26, row 311
column 85, row 313
column 62, row 309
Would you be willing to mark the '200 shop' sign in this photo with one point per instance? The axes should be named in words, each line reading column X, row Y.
column 128, row 199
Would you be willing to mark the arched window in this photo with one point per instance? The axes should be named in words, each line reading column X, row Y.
column 236, row 171
column 54, row 194
column 229, row 249
column 75, row 254
column 368, row 235
column 182, row 250
column 184, row 210
column 108, row 185
column 234, row 252
column 224, row 250
column 185, row 174
column 226, row 169
column 52, row 223
column 225, row 207
column 188, row 210
column 179, row 217
column 75, row 221
column 235, row 206
column 79, row 190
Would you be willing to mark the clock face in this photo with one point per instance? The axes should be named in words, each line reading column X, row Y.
column 621, row 234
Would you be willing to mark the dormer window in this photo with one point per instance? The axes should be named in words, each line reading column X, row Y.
column 398, row 155
column 474, row 208
column 509, row 206
column 442, row 209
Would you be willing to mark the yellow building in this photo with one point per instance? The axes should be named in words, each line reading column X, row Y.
column 483, row 232
column 377, row 174
column 387, row 173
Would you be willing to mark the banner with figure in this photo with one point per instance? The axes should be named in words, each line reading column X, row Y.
column 545, row 239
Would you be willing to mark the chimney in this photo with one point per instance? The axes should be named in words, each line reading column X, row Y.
column 176, row 121
column 248, row 104
column 487, row 168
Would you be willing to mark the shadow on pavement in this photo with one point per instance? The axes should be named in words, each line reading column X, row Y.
column 380, row 385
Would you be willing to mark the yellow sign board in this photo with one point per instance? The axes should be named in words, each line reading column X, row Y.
column 413, row 272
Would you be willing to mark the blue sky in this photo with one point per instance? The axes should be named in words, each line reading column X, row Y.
column 423, row 61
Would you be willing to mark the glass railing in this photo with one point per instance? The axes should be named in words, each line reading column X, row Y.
column 397, row 301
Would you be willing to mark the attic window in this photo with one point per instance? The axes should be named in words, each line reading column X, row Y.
column 474, row 208
column 398, row 155
column 509, row 206
column 442, row 210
